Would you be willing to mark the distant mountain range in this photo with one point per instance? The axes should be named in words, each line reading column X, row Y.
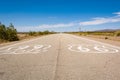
column 107, row 30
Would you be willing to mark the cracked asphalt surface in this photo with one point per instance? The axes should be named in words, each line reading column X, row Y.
column 60, row 57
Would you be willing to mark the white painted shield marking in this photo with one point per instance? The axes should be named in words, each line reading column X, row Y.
column 83, row 49
column 93, row 49
column 101, row 49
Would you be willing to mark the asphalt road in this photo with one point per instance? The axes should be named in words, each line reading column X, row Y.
column 60, row 57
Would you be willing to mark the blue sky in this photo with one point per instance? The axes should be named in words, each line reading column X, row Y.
column 60, row 15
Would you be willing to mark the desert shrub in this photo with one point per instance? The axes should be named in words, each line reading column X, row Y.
column 3, row 33
column 32, row 33
column 8, row 33
column 106, row 38
column 46, row 32
column 11, row 33
column 117, row 33
column 40, row 33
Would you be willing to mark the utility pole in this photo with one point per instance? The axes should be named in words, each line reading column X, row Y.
column 79, row 29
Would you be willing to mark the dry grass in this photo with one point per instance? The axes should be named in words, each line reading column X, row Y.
column 25, row 36
column 3, row 41
column 115, row 36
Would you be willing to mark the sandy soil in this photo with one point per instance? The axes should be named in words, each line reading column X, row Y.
column 112, row 40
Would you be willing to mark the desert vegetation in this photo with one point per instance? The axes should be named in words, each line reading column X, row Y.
column 117, row 33
column 8, row 33
column 111, row 33
column 33, row 33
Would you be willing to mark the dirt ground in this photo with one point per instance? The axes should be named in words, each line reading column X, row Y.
column 111, row 40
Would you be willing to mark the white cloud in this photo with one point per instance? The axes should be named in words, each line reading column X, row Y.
column 118, row 13
column 94, row 21
column 45, row 26
column 56, row 25
column 103, row 20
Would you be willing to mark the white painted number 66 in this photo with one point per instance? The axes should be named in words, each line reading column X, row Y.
column 83, row 49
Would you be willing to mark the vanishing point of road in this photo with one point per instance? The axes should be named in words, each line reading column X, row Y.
column 60, row 57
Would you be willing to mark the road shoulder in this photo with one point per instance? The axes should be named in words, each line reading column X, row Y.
column 115, row 43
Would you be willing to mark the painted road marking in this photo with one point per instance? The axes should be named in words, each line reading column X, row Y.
column 21, row 43
column 35, row 49
column 93, row 41
column 92, row 48
column 83, row 49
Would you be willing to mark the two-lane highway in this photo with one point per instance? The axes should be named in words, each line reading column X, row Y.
column 60, row 57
